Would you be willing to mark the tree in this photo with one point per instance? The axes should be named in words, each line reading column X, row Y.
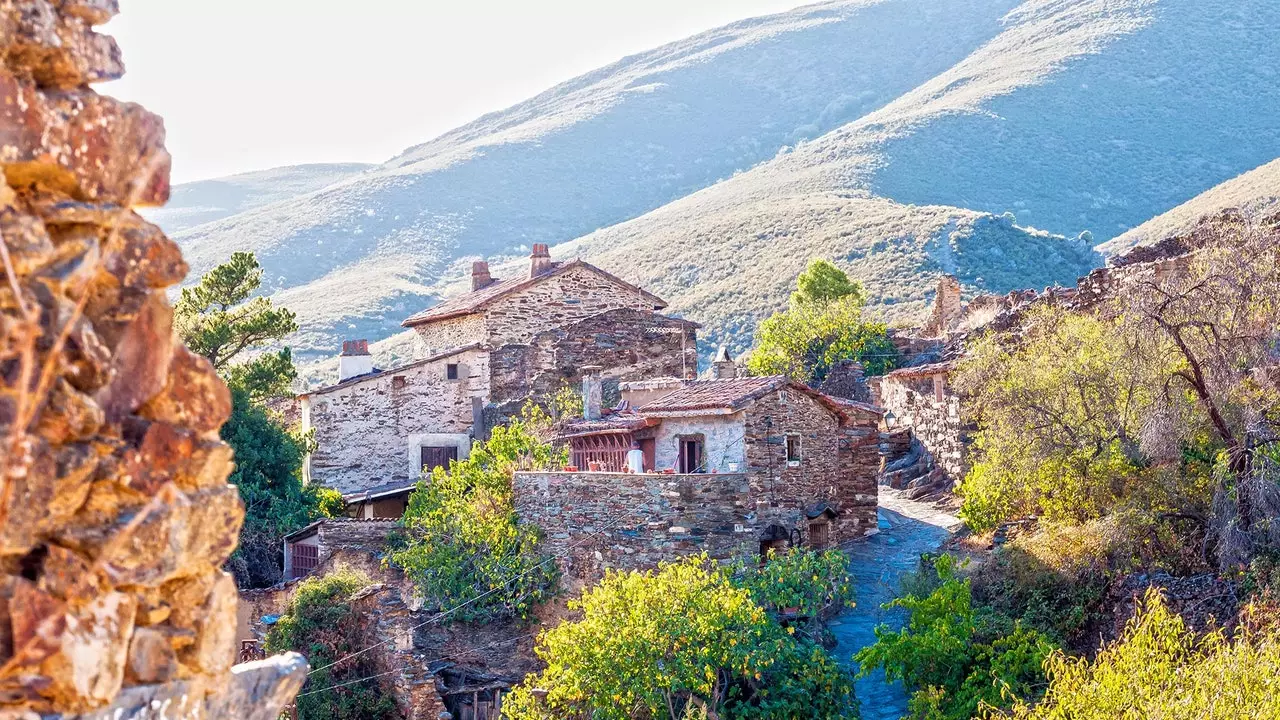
column 1213, row 323
column 684, row 641
column 321, row 623
column 823, row 325
column 463, row 546
column 1060, row 414
column 219, row 320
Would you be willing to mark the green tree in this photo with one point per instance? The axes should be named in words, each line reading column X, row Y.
column 321, row 624
column 463, row 545
column 684, row 641
column 823, row 325
column 219, row 319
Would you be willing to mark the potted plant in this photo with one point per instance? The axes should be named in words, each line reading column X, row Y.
column 593, row 465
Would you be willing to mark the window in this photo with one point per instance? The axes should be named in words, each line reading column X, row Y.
column 793, row 450
column 434, row 457
column 819, row 535
column 303, row 559
column 451, row 371
column 939, row 387
column 397, row 382
column 691, row 451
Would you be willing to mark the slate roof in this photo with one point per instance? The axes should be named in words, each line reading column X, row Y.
column 391, row 488
column 377, row 372
column 732, row 395
column 477, row 300
column 615, row 423
column 922, row 370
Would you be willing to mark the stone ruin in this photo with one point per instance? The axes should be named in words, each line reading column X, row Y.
column 115, row 513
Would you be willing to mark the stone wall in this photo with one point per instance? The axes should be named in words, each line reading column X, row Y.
column 839, row 466
column 595, row 521
column 437, row 337
column 369, row 430
column 948, row 308
column 925, row 403
column 115, row 514
column 628, row 344
column 566, row 297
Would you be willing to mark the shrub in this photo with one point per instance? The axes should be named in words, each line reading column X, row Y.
column 1160, row 669
column 321, row 624
column 683, row 641
column 956, row 659
column 464, row 547
column 808, row 581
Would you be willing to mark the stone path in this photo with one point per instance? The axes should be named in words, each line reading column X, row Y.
column 907, row 529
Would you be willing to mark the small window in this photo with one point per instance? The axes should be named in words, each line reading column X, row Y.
column 793, row 450
column 397, row 382
column 691, row 452
column 939, row 387
column 434, row 457
column 819, row 536
column 451, row 371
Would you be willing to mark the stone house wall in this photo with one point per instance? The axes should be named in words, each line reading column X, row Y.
column 838, row 466
column 566, row 297
column 723, row 438
column 932, row 410
column 370, row 430
column 627, row 343
column 437, row 337
column 594, row 521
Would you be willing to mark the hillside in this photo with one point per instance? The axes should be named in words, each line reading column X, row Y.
column 1256, row 192
column 891, row 135
column 195, row 203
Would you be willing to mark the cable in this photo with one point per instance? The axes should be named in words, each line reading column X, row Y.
column 350, row 682
column 440, row 616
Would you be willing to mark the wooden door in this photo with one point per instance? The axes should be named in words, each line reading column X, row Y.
column 434, row 457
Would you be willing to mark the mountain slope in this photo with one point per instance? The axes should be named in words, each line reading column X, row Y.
column 195, row 203
column 891, row 135
column 1256, row 193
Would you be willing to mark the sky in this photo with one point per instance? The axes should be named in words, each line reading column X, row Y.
column 253, row 84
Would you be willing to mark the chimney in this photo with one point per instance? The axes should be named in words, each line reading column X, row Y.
column 592, row 392
column 355, row 359
column 723, row 367
column 480, row 277
column 539, row 260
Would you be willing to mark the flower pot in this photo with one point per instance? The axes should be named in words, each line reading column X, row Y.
column 593, row 466
column 733, row 467
column 571, row 468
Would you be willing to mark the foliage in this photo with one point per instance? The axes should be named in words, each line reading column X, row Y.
column 824, row 325
column 1161, row 669
column 1056, row 579
column 806, row 580
column 957, row 659
column 218, row 319
column 321, row 624
column 1060, row 420
column 683, row 641
column 464, row 545
column 268, row 474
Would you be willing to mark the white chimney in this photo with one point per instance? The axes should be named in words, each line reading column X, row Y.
column 723, row 367
column 355, row 359
column 592, row 392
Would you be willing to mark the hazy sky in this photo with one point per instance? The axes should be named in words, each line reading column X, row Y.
column 252, row 84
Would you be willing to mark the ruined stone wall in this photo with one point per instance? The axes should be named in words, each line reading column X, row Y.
column 369, row 430
column 115, row 514
column 437, row 337
column 937, row 423
column 948, row 308
column 595, row 521
column 838, row 466
column 567, row 297
column 627, row 344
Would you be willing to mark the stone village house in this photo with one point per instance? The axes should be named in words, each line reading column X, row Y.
column 484, row 353
column 728, row 466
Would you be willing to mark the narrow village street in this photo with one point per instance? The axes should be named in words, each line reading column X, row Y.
column 907, row 529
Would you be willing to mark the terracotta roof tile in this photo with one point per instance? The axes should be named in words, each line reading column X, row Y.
column 476, row 300
column 731, row 394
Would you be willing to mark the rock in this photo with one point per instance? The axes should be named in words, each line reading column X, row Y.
column 151, row 658
column 140, row 366
column 214, row 649
column 89, row 669
column 193, row 395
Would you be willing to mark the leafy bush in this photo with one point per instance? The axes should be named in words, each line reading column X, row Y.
column 683, row 641
column 463, row 544
column 321, row 624
column 1160, row 669
column 958, row 660
column 802, row 579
